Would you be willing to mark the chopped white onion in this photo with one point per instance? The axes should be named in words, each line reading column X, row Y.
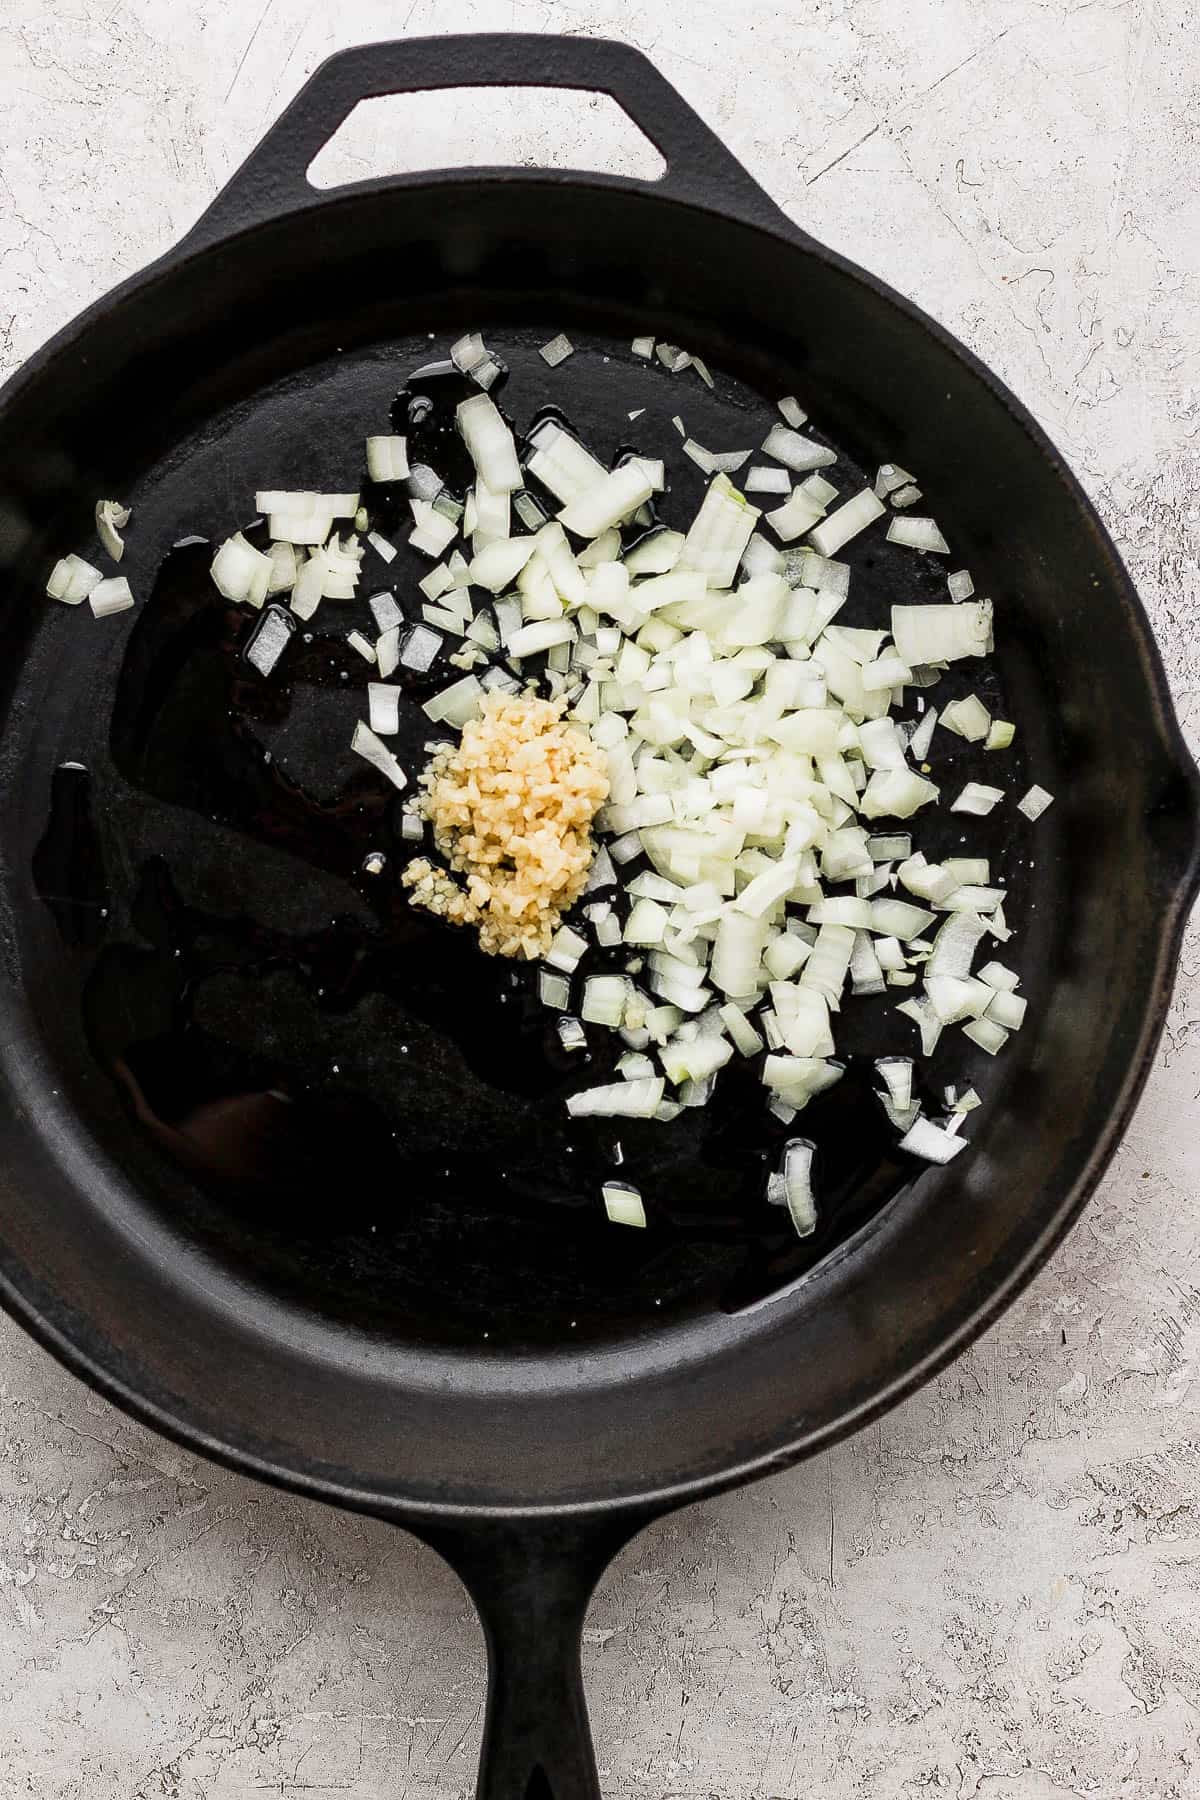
column 111, row 596
column 557, row 350
column 455, row 705
column 918, row 534
column 930, row 1142
column 621, row 1099
column 240, row 572
column 610, row 500
column 111, row 520
column 373, row 750
column 387, row 458
column 967, row 718
column 797, row 1181
column 623, row 1203
column 978, row 799
column 383, row 702
column 72, row 580
column 849, row 519
column 1034, row 803
column 929, row 634
column 797, row 452
column 489, row 443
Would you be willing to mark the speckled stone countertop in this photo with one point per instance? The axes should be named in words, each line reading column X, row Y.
column 996, row 1591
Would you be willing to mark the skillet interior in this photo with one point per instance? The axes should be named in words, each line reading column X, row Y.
column 366, row 1293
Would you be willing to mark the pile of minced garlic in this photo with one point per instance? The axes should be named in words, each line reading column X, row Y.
column 511, row 808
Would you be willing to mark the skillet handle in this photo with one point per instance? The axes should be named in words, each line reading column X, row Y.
column 272, row 181
column 531, row 1582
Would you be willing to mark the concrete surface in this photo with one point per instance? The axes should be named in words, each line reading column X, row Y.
column 993, row 1593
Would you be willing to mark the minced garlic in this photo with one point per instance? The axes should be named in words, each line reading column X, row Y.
column 511, row 808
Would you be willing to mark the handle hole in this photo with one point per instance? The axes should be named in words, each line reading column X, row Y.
column 539, row 128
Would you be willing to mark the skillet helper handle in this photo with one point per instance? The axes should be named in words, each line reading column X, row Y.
column 531, row 1582
column 273, row 180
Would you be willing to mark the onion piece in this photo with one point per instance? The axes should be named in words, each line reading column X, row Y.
column 472, row 356
column 967, row 718
column 762, row 479
column 111, row 596
column 796, row 516
column 554, row 990
column 928, row 634
column 383, row 702
column 846, row 523
column 918, row 534
column 385, row 611
column 562, row 464
column 72, row 580
column 978, row 799
column 387, row 459
column 111, row 520
column 566, row 949
column 1000, row 735
column 956, row 943
column 922, row 737
column 285, row 566
column 890, row 476
column 373, row 750
column 457, row 704
column 557, row 350
column 240, row 572
column 643, row 346
column 719, row 534
column 797, row 452
column 419, row 649
column 498, row 565
column 433, row 532
column 930, row 1142
column 1034, row 803
column 489, row 443
column 609, row 500
column 987, row 1034
column 276, row 500
column 797, row 1181
column 604, row 1000
column 621, row 1099
column 541, row 635
column 960, row 585
column 623, row 1203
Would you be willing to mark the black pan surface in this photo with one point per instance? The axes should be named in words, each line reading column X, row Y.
column 284, row 1167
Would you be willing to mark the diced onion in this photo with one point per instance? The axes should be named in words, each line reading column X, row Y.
column 930, row 1142
column 373, row 750
column 978, row 799
column 557, row 350
column 72, row 580
column 383, row 702
column 112, row 596
column 849, row 519
column 918, row 534
column 621, row 1099
column 240, row 572
column 796, row 452
column 1034, row 803
column 489, row 443
column 623, row 1203
column 387, row 458
column 111, row 520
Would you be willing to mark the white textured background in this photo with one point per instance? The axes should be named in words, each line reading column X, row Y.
column 993, row 1593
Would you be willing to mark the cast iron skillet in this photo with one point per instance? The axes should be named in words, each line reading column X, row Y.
column 388, row 1287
